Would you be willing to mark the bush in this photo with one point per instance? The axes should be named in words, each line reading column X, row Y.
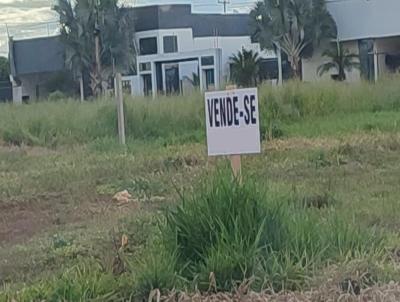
column 234, row 232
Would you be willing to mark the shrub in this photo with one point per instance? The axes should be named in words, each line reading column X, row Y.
column 223, row 209
column 237, row 231
column 157, row 269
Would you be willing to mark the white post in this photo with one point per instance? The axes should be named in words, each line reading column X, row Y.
column 201, row 75
column 154, row 79
column 280, row 73
column 376, row 67
column 81, row 89
column 120, row 108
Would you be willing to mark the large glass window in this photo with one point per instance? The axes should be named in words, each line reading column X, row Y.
column 170, row 44
column 148, row 46
column 207, row 61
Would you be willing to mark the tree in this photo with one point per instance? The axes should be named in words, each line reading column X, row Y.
column 340, row 59
column 99, row 39
column 295, row 27
column 245, row 67
column 4, row 69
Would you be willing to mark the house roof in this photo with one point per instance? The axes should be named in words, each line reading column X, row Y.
column 37, row 55
column 180, row 16
column 364, row 19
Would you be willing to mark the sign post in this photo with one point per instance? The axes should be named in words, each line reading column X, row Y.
column 233, row 126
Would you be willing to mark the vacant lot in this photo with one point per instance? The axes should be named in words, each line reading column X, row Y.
column 330, row 160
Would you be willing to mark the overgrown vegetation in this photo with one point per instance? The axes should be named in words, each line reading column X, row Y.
column 233, row 232
column 217, row 237
column 285, row 111
column 316, row 210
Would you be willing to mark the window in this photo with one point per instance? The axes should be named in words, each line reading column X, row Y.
column 145, row 66
column 210, row 80
column 207, row 61
column 148, row 46
column 127, row 86
column 147, row 84
column 170, row 44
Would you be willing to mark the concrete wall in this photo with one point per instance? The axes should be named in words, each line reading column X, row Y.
column 28, row 86
column 310, row 66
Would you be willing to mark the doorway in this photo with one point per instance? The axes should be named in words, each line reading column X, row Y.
column 147, row 84
column 172, row 79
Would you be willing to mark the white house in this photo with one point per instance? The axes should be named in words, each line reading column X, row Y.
column 179, row 49
column 370, row 29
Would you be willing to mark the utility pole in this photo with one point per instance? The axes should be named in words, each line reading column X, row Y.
column 225, row 3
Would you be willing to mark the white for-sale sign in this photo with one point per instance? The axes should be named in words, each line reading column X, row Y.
column 233, row 125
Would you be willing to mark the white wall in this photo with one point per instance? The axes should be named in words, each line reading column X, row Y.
column 29, row 83
column 310, row 66
column 17, row 94
column 360, row 19
column 185, row 38
column 230, row 46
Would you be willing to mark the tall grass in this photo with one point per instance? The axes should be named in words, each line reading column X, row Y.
column 219, row 235
column 181, row 119
column 233, row 232
column 83, row 282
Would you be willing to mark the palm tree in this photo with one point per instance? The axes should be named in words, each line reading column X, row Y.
column 293, row 26
column 81, row 25
column 341, row 60
column 74, row 32
column 245, row 67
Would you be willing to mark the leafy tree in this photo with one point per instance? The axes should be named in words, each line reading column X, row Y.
column 293, row 26
column 4, row 69
column 340, row 59
column 245, row 67
column 83, row 22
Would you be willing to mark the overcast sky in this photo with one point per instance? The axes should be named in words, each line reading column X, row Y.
column 28, row 18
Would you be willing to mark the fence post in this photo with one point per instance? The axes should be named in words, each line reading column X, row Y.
column 120, row 108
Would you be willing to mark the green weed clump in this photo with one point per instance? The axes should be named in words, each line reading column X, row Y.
column 83, row 282
column 228, row 232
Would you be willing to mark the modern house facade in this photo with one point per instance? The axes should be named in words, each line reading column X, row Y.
column 32, row 63
column 179, row 50
column 369, row 29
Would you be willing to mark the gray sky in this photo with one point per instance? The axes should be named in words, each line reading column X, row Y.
column 29, row 18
